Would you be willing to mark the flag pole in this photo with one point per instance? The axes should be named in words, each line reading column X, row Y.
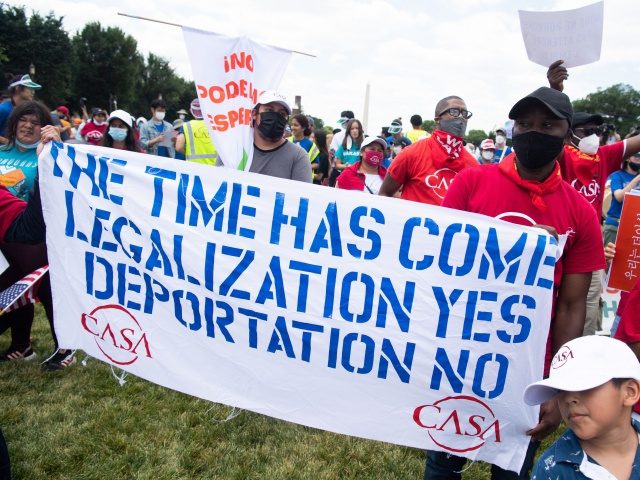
column 183, row 26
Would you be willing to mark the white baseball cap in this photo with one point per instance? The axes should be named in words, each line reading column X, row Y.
column 269, row 96
column 122, row 115
column 582, row 364
column 369, row 140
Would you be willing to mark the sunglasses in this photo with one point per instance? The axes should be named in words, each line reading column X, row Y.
column 457, row 112
column 590, row 131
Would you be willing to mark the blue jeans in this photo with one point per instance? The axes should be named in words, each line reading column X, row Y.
column 443, row 466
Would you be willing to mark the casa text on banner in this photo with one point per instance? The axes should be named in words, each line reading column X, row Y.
column 358, row 314
column 230, row 73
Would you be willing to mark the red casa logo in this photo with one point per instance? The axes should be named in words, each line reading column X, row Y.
column 458, row 424
column 117, row 334
column 440, row 180
column 590, row 192
column 560, row 358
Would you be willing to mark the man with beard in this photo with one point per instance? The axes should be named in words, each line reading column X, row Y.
column 273, row 155
column 426, row 169
column 586, row 165
column 527, row 188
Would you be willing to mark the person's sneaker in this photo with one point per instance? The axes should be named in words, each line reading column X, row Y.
column 12, row 354
column 60, row 360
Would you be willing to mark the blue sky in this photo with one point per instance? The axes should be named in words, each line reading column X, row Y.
column 411, row 52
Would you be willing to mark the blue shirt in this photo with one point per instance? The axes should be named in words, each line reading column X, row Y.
column 162, row 151
column 6, row 108
column 565, row 460
column 619, row 180
column 497, row 154
column 18, row 170
column 305, row 143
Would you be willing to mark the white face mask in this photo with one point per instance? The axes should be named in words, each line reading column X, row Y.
column 160, row 115
column 500, row 139
column 487, row 155
column 590, row 144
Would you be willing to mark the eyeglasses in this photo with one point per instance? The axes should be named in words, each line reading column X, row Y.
column 590, row 131
column 457, row 112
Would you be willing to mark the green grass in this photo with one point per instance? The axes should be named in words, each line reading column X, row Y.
column 81, row 424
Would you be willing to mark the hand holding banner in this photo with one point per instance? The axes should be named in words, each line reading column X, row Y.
column 230, row 73
column 400, row 322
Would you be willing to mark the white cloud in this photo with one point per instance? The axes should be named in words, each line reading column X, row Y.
column 412, row 52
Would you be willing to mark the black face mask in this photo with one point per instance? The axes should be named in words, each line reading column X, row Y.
column 535, row 150
column 634, row 166
column 272, row 125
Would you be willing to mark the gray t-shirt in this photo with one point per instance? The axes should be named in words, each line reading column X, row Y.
column 288, row 161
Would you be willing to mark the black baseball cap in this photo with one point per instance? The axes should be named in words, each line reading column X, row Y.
column 582, row 118
column 556, row 101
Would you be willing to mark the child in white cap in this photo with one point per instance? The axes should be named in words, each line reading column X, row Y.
column 596, row 382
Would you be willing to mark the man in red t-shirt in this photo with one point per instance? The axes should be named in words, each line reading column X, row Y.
column 586, row 165
column 426, row 169
column 526, row 188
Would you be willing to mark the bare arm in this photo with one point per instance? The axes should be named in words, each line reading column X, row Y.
column 619, row 194
column 389, row 186
column 180, row 143
column 571, row 309
column 632, row 146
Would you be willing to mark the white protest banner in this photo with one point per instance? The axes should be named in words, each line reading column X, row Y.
column 230, row 73
column 574, row 36
column 363, row 315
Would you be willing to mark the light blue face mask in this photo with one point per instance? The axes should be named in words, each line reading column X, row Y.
column 27, row 146
column 118, row 134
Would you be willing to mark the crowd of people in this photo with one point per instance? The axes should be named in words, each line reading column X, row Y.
column 553, row 175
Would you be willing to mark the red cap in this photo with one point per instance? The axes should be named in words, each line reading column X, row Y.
column 64, row 110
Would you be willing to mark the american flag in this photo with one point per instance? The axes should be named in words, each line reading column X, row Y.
column 21, row 293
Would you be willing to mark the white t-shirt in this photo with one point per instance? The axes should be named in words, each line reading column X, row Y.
column 337, row 139
column 373, row 181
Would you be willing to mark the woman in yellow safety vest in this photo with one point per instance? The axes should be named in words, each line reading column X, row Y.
column 301, row 130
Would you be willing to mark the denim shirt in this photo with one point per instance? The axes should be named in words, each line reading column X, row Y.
column 566, row 460
column 148, row 132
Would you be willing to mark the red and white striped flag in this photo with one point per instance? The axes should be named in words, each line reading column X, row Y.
column 22, row 292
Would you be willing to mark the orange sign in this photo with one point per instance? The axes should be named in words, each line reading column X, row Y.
column 625, row 268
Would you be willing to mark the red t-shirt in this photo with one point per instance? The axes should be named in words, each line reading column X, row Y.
column 629, row 327
column 93, row 133
column 421, row 180
column 610, row 161
column 488, row 191
column 10, row 207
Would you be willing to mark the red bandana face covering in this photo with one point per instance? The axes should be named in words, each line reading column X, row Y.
column 537, row 190
column 450, row 143
column 585, row 166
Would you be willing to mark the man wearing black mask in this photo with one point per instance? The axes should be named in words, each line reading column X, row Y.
column 273, row 155
column 586, row 165
column 526, row 188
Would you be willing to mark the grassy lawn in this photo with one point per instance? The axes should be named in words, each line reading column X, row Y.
column 81, row 424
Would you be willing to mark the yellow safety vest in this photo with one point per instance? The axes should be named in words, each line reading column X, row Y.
column 313, row 151
column 198, row 146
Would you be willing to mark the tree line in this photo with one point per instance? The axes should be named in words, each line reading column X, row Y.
column 101, row 64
